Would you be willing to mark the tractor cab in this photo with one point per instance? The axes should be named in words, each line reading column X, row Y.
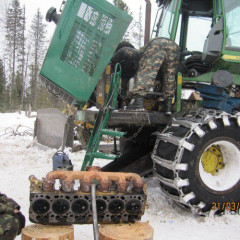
column 207, row 32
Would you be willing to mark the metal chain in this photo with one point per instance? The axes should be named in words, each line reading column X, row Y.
column 144, row 123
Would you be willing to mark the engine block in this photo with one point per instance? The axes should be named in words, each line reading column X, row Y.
column 120, row 197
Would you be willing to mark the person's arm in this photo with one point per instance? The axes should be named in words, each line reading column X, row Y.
column 5, row 209
column 8, row 205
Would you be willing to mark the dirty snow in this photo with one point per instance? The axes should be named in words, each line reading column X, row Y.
column 19, row 159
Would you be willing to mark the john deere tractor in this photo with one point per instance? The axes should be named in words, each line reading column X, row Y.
column 195, row 153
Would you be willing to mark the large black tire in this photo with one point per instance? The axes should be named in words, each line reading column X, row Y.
column 178, row 164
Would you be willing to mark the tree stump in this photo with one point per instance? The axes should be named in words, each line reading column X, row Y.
column 129, row 231
column 46, row 232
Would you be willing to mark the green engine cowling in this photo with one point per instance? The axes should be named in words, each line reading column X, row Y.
column 87, row 34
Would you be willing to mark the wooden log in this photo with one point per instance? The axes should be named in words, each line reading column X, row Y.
column 46, row 232
column 129, row 231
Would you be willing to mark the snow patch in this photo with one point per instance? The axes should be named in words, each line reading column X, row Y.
column 19, row 159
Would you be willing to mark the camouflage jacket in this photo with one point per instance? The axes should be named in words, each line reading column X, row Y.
column 7, row 205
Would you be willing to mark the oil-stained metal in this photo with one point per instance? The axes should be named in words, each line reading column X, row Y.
column 35, row 184
column 129, row 118
column 120, row 197
column 104, row 179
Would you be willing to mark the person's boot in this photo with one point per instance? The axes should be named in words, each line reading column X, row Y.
column 136, row 103
column 168, row 106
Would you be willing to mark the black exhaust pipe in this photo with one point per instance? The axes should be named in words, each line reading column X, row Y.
column 52, row 15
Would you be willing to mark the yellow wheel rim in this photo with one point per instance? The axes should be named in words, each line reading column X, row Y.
column 212, row 160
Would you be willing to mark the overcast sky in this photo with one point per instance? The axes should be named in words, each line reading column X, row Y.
column 44, row 5
column 197, row 35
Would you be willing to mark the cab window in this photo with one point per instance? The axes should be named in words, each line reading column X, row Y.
column 198, row 30
column 232, row 20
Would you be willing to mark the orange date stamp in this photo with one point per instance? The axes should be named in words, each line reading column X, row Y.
column 229, row 206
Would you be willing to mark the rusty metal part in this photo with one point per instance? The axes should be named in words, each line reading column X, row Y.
column 93, row 169
column 35, row 184
column 86, row 178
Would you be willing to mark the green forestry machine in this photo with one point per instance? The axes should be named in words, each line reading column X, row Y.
column 195, row 152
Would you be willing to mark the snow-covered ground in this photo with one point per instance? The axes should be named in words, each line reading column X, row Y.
column 19, row 159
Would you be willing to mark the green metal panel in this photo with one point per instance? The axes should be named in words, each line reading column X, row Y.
column 176, row 13
column 179, row 92
column 233, row 66
column 84, row 41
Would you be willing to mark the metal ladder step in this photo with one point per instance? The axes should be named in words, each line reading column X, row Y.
column 112, row 133
column 102, row 155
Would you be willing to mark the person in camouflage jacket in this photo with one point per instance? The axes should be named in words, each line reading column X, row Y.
column 11, row 219
column 160, row 57
column 160, row 54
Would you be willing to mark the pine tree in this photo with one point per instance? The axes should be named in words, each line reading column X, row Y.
column 22, row 57
column 17, row 90
column 15, row 25
column 38, row 38
column 2, row 86
column 2, row 78
column 37, row 94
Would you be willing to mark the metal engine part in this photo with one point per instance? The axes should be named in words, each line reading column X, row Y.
column 222, row 78
column 120, row 197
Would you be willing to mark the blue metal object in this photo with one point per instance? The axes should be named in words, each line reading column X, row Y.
column 60, row 159
column 216, row 97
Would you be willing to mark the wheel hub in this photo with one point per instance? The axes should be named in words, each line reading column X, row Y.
column 212, row 160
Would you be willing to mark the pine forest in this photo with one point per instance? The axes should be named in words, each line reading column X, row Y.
column 25, row 44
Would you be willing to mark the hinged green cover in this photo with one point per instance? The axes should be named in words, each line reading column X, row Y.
column 85, row 39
